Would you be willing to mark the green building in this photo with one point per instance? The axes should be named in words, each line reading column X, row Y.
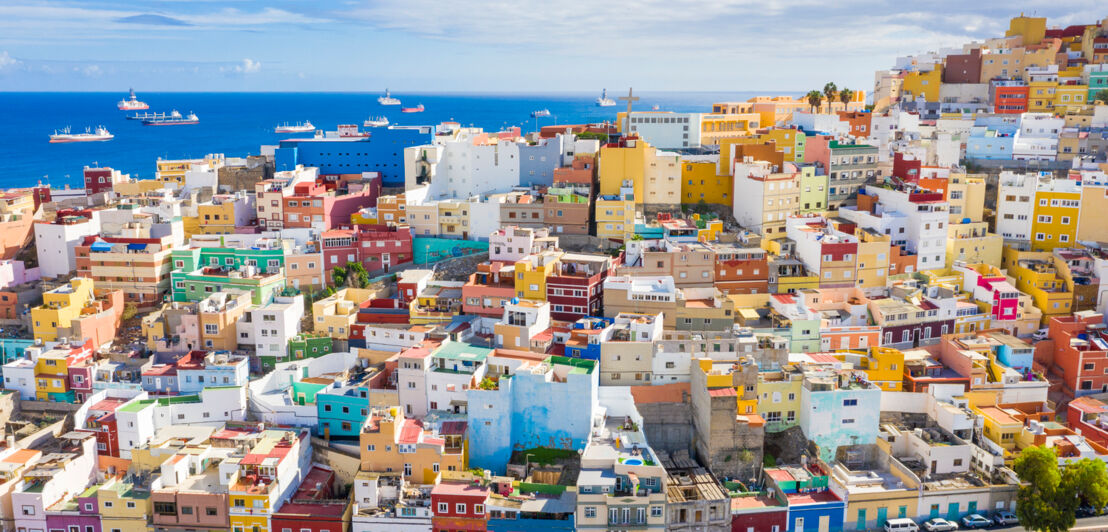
column 200, row 272
column 813, row 189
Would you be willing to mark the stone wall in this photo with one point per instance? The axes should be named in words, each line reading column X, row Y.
column 668, row 426
column 244, row 177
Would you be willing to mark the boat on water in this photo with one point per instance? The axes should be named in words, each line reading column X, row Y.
column 174, row 119
column 655, row 108
column 541, row 113
column 387, row 99
column 604, row 100
column 416, row 109
column 377, row 121
column 132, row 104
column 298, row 128
column 65, row 135
column 146, row 116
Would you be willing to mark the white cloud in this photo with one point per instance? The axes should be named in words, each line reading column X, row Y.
column 7, row 62
column 248, row 66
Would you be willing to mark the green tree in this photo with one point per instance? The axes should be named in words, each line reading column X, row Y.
column 356, row 276
column 1049, row 495
column 129, row 311
column 845, row 96
column 829, row 91
column 338, row 276
column 1101, row 95
column 814, row 99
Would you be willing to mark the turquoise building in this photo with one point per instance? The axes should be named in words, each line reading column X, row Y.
column 200, row 272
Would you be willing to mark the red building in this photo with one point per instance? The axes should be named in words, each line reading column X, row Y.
column 1089, row 417
column 313, row 205
column 101, row 421
column 758, row 513
column 741, row 270
column 963, row 68
column 313, row 507
column 488, row 289
column 1010, row 99
column 458, row 507
column 1081, row 352
column 906, row 168
column 377, row 247
column 99, row 180
column 576, row 288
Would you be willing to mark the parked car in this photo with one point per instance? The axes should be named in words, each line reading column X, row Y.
column 901, row 524
column 976, row 521
column 1006, row 519
column 1040, row 334
column 1086, row 511
column 939, row 524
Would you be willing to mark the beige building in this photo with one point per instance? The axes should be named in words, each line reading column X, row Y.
column 689, row 264
column 765, row 196
column 334, row 315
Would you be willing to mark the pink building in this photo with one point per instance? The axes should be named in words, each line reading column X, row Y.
column 15, row 272
column 377, row 247
column 988, row 285
column 489, row 288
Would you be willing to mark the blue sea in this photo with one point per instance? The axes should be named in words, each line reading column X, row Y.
column 238, row 124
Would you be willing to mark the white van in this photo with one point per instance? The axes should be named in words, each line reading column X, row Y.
column 901, row 525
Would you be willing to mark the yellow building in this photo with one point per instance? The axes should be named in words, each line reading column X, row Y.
column 122, row 507
column 334, row 315
column 213, row 218
column 884, row 366
column 654, row 175
column 1055, row 214
column 60, row 307
column 966, row 196
column 262, row 475
column 390, row 442
column 779, row 397
column 615, row 215
column 1070, row 98
column 366, row 216
column 1032, row 29
column 922, row 83
column 1000, row 424
column 1036, row 276
column 173, row 171
column 1091, row 226
column 873, row 258
column 531, row 273
column 454, row 219
column 700, row 182
column 972, row 243
column 715, row 127
column 1040, row 97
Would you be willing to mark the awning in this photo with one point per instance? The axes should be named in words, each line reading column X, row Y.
column 136, row 247
column 100, row 246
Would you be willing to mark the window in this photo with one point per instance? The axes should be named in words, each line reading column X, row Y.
column 163, row 508
column 479, row 509
column 444, row 508
column 460, row 508
column 211, row 510
column 850, row 402
column 848, row 421
column 590, row 512
column 186, row 510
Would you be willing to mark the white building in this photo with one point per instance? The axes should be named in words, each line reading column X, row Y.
column 514, row 243
column 56, row 241
column 273, row 399
column 1037, row 139
column 58, row 476
column 269, row 327
column 19, row 375
column 215, row 369
column 142, row 417
column 926, row 217
column 666, row 130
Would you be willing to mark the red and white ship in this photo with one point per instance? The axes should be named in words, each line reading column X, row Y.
column 298, row 128
column 416, row 109
column 132, row 104
column 65, row 135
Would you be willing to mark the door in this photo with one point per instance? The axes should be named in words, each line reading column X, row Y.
column 861, row 519
column 386, row 259
column 952, row 511
column 882, row 516
column 934, row 511
column 972, row 507
column 825, row 523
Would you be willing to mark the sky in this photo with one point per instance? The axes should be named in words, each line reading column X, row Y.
column 488, row 46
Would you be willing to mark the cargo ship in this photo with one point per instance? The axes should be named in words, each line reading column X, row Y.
column 145, row 116
column 387, row 99
column 65, row 135
column 298, row 128
column 174, row 119
column 132, row 104
column 541, row 113
column 416, row 109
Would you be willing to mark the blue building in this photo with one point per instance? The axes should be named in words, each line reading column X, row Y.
column 811, row 503
column 534, row 508
column 546, row 404
column 12, row 349
column 537, row 162
column 993, row 137
column 584, row 337
column 382, row 151
column 1013, row 352
column 838, row 408
column 343, row 407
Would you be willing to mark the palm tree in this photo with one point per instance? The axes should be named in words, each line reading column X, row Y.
column 845, row 96
column 829, row 91
column 814, row 99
